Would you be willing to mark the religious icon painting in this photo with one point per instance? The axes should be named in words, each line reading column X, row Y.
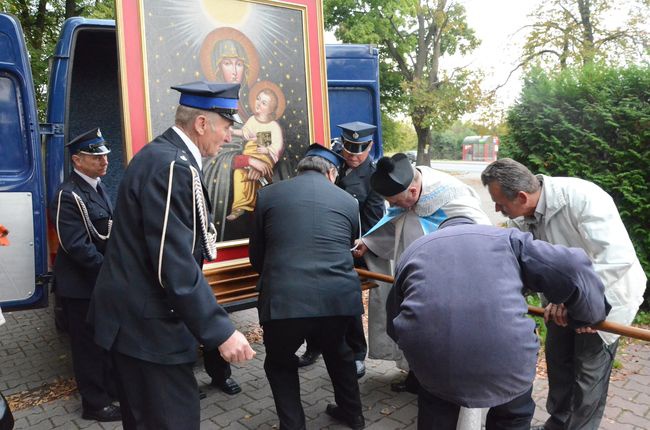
column 273, row 49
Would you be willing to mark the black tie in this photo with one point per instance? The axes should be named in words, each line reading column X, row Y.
column 103, row 195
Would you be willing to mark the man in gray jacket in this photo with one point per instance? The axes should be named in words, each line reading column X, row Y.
column 576, row 213
column 463, row 327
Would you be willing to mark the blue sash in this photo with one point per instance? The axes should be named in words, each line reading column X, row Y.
column 429, row 223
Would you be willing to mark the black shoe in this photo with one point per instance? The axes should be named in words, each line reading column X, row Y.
column 354, row 422
column 308, row 358
column 202, row 394
column 105, row 414
column 361, row 368
column 228, row 386
column 410, row 384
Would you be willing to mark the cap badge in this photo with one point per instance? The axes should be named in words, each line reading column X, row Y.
column 355, row 135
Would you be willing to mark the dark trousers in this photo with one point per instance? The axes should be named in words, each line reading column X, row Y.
column 579, row 366
column 217, row 368
column 436, row 413
column 156, row 396
column 282, row 338
column 6, row 417
column 354, row 336
column 91, row 364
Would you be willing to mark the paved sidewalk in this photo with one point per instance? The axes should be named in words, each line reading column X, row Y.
column 33, row 353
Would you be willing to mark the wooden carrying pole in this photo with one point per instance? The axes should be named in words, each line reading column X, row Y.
column 611, row 327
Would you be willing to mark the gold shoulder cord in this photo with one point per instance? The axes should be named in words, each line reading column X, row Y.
column 208, row 231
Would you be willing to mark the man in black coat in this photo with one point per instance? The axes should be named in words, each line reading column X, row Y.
column 151, row 302
column 300, row 244
column 355, row 145
column 81, row 213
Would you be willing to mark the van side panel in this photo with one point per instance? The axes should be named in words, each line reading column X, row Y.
column 23, row 264
column 353, row 88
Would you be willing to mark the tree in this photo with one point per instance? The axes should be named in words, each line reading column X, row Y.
column 41, row 21
column 592, row 123
column 398, row 136
column 413, row 36
column 580, row 32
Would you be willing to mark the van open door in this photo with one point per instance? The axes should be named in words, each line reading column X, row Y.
column 23, row 261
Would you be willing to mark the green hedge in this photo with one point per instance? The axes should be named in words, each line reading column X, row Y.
column 592, row 123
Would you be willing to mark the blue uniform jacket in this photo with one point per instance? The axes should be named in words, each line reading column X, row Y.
column 151, row 300
column 80, row 253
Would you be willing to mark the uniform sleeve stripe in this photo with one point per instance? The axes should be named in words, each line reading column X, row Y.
column 166, row 217
column 58, row 210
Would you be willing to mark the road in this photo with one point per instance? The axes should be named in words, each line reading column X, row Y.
column 470, row 173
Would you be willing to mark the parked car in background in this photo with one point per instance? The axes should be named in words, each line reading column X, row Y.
column 412, row 156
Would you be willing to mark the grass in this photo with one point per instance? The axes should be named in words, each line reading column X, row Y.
column 534, row 300
column 642, row 318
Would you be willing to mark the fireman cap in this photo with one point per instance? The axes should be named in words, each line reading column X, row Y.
column 318, row 150
column 91, row 142
column 211, row 96
column 356, row 136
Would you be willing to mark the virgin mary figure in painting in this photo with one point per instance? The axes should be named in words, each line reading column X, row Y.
column 228, row 56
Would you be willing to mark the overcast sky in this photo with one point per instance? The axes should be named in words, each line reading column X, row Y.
column 502, row 26
column 496, row 23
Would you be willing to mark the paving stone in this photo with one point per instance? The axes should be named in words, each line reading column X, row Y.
column 627, row 405
column 628, row 417
column 612, row 425
column 628, row 402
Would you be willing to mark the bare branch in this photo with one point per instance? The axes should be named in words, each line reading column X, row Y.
column 525, row 61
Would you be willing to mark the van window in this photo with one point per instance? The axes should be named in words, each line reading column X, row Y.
column 13, row 145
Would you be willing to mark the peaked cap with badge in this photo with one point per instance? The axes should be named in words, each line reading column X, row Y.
column 393, row 175
column 91, row 142
column 211, row 96
column 356, row 136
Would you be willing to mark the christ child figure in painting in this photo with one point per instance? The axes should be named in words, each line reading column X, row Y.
column 264, row 142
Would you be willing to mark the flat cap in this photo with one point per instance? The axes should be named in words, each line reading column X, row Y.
column 393, row 175
column 211, row 96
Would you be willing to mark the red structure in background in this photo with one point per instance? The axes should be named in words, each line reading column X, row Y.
column 480, row 148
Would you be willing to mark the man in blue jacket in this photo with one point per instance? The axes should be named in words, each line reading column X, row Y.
column 458, row 313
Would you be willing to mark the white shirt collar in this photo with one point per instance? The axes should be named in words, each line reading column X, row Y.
column 92, row 181
column 191, row 146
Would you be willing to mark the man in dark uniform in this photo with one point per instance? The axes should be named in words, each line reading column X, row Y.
column 355, row 145
column 300, row 244
column 81, row 213
column 151, row 302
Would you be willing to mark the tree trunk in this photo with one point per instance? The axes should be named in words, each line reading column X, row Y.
column 70, row 8
column 587, row 31
column 424, row 138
